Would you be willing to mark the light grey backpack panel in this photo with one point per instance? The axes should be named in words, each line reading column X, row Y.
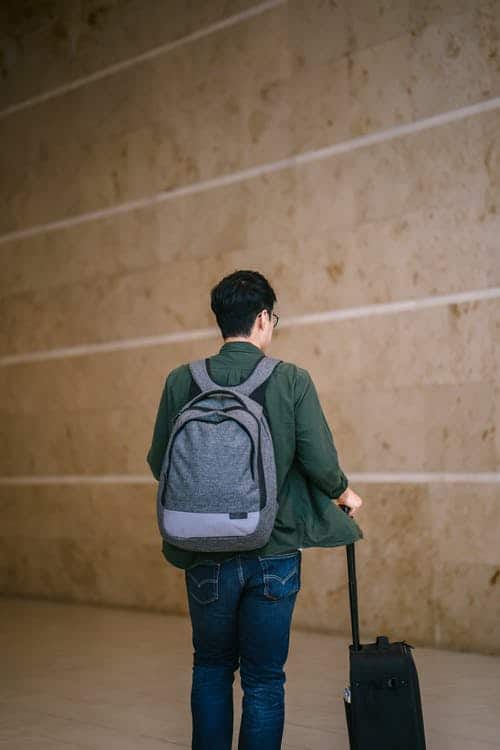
column 218, row 487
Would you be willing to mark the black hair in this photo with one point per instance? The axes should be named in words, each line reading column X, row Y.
column 238, row 298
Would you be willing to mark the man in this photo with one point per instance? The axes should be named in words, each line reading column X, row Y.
column 241, row 604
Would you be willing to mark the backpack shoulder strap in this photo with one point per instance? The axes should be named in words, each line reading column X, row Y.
column 194, row 389
column 199, row 373
column 257, row 377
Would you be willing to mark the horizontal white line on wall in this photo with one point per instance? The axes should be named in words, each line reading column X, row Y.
column 362, row 477
column 247, row 174
column 366, row 311
column 487, row 477
column 109, row 346
column 143, row 57
column 384, row 308
column 80, row 479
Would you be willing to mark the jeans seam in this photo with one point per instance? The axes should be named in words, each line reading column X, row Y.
column 281, row 580
column 240, row 573
column 277, row 557
column 190, row 578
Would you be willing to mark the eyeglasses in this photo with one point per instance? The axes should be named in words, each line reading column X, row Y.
column 276, row 317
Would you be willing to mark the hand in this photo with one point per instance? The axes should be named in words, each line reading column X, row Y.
column 351, row 499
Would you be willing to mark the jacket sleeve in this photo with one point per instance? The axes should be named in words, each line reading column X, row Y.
column 315, row 451
column 160, row 435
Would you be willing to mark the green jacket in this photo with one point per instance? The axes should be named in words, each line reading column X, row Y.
column 307, row 467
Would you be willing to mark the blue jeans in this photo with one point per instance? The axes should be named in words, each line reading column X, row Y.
column 241, row 612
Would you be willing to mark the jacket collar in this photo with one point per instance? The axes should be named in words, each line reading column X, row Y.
column 243, row 347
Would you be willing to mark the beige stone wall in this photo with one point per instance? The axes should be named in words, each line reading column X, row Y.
column 409, row 216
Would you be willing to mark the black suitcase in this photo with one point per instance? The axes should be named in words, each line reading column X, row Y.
column 382, row 703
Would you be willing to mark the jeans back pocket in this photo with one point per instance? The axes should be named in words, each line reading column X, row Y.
column 281, row 574
column 202, row 582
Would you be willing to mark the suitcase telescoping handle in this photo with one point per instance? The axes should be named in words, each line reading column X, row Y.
column 353, row 591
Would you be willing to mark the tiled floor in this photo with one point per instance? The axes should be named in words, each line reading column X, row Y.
column 89, row 677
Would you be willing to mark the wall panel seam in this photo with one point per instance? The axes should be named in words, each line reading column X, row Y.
column 371, row 139
column 361, row 477
column 327, row 316
column 140, row 58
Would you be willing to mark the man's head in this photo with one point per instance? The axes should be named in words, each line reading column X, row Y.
column 243, row 304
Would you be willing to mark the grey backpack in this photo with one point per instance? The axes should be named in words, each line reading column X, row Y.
column 217, row 489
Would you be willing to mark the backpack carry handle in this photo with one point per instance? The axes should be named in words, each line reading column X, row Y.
column 227, row 389
column 353, row 592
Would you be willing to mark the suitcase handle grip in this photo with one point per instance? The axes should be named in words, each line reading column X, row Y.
column 353, row 592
